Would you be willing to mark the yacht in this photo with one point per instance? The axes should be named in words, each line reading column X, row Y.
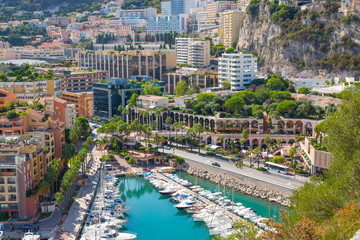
column 31, row 236
column 221, row 229
column 185, row 204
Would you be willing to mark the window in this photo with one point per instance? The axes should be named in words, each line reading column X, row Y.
column 4, row 206
column 14, row 206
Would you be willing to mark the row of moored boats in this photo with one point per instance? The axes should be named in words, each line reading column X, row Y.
column 215, row 216
column 107, row 215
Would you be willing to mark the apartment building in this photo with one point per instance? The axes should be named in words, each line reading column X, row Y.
column 81, row 81
column 60, row 21
column 84, row 102
column 230, row 26
column 6, row 97
column 204, row 79
column 166, row 8
column 240, row 69
column 151, row 101
column 167, row 24
column 22, row 168
column 127, row 64
column 192, row 51
column 114, row 92
column 30, row 90
column 139, row 13
column 350, row 6
column 59, row 109
column 4, row 45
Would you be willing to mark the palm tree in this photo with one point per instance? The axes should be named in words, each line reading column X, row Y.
column 153, row 125
column 126, row 112
column 158, row 114
column 245, row 135
column 182, row 128
column 168, row 122
column 221, row 140
column 176, row 126
column 162, row 140
column 198, row 130
column 57, row 166
column 191, row 135
column 59, row 197
column 157, row 139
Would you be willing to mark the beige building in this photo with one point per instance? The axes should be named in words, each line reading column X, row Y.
column 192, row 51
column 320, row 160
column 150, row 101
column 230, row 26
column 83, row 101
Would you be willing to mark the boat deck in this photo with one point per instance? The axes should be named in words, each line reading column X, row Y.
column 189, row 191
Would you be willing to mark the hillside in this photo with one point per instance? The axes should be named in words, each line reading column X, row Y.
column 316, row 42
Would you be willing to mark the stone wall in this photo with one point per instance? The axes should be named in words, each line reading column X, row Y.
column 238, row 185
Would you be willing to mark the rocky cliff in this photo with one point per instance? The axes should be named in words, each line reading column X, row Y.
column 315, row 42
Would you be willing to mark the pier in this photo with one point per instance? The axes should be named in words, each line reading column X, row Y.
column 208, row 202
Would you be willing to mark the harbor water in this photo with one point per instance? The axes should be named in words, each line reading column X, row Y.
column 153, row 216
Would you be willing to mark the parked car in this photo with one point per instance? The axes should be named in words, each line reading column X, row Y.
column 167, row 147
column 216, row 164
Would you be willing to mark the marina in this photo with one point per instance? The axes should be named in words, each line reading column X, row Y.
column 190, row 207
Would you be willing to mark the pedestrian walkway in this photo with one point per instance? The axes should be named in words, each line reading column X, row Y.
column 73, row 223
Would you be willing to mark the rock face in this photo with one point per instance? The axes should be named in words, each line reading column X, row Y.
column 295, row 53
column 240, row 186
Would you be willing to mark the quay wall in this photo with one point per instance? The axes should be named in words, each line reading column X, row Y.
column 240, row 183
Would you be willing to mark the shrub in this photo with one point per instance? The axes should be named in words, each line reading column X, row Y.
column 278, row 159
column 350, row 18
column 262, row 169
column 238, row 155
column 179, row 160
column 11, row 114
column 301, row 171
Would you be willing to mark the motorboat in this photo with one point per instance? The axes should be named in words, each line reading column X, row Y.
column 31, row 236
column 185, row 204
column 221, row 229
column 168, row 191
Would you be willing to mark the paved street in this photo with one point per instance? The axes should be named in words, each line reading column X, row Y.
column 73, row 222
column 280, row 181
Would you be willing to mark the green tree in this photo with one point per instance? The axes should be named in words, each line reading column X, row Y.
column 11, row 114
column 235, row 104
column 198, row 128
column 132, row 100
column 181, row 88
column 68, row 151
column 191, row 134
column 195, row 89
column 233, row 44
column 286, row 107
column 149, row 88
column 75, row 134
column 59, row 198
column 304, row 90
column 226, row 85
column 83, row 124
column 275, row 82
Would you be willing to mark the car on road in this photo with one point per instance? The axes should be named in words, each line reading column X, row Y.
column 216, row 164
column 167, row 147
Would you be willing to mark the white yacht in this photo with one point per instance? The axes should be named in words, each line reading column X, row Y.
column 31, row 236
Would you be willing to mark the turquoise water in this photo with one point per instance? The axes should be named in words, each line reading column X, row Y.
column 152, row 216
column 261, row 206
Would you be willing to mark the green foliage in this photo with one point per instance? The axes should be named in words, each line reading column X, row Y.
column 230, row 50
column 181, row 88
column 11, row 114
column 304, row 90
column 283, row 13
column 262, row 169
column 253, row 7
column 150, row 88
column 217, row 50
column 338, row 61
column 278, row 159
column 320, row 198
column 279, row 95
column 286, row 107
column 226, row 85
column 351, row 18
column 132, row 100
column 179, row 160
column 235, row 104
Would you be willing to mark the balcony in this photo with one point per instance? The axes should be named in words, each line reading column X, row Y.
column 11, row 181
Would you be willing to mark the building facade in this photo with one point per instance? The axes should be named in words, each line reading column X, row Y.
column 83, row 102
column 166, row 24
column 115, row 92
column 230, row 25
column 6, row 97
column 192, row 51
column 177, row 7
column 166, row 8
column 31, row 90
column 80, row 81
column 238, row 68
column 127, row 64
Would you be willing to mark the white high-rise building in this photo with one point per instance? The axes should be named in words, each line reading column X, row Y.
column 192, row 51
column 189, row 5
column 166, row 8
column 239, row 68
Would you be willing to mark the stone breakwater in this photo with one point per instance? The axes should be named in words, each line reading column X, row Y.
column 243, row 187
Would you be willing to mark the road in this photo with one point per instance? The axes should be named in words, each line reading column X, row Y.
column 279, row 181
